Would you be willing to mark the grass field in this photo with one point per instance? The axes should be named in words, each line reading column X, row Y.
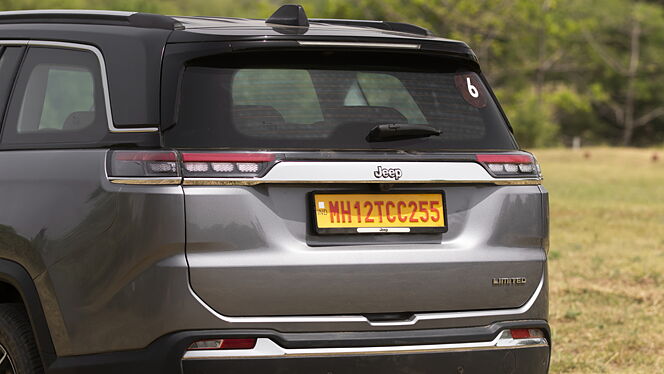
column 606, row 260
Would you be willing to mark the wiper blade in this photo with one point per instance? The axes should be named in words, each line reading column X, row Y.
column 395, row 131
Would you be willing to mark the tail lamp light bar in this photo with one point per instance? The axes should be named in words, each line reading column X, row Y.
column 226, row 164
column 169, row 166
column 172, row 164
column 510, row 166
column 143, row 164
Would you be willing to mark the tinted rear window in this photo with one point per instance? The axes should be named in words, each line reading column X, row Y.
column 319, row 102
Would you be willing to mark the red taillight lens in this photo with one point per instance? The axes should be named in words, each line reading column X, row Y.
column 526, row 333
column 520, row 333
column 143, row 164
column 226, row 164
column 223, row 344
column 515, row 159
column 145, row 156
column 501, row 165
column 238, row 343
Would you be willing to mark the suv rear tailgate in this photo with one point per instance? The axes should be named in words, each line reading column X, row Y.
column 260, row 131
column 253, row 251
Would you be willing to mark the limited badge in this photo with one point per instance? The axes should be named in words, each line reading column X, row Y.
column 471, row 88
column 513, row 281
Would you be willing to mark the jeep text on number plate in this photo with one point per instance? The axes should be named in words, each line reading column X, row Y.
column 338, row 213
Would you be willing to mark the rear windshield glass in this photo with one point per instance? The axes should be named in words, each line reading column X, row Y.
column 334, row 102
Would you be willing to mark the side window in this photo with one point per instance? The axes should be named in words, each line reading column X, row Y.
column 67, row 104
column 58, row 98
column 380, row 89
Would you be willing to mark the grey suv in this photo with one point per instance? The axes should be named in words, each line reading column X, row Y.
column 290, row 195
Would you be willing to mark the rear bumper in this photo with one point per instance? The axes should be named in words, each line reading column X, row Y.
column 530, row 360
column 485, row 349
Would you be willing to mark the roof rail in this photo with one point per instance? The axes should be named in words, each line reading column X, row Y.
column 94, row 17
column 383, row 25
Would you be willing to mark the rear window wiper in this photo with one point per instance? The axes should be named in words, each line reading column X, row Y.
column 395, row 131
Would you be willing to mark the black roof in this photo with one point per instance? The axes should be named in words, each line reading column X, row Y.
column 224, row 26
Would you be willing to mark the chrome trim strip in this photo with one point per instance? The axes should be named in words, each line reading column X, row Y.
column 518, row 182
column 468, row 314
column 104, row 77
column 358, row 45
column 267, row 348
column 14, row 42
column 359, row 318
column 146, row 180
column 254, row 182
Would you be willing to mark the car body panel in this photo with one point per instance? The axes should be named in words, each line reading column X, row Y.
column 135, row 272
column 247, row 248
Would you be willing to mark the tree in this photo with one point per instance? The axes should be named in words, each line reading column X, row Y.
column 630, row 48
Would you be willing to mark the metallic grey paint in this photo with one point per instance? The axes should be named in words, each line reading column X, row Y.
column 248, row 254
column 109, row 260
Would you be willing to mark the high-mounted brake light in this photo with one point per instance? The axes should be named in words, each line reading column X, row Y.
column 143, row 164
column 215, row 344
column 500, row 165
column 226, row 164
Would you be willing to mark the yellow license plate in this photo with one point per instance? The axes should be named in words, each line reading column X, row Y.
column 380, row 213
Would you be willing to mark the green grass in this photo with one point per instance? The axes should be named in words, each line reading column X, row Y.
column 606, row 259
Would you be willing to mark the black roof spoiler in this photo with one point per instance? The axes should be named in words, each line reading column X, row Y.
column 294, row 15
column 383, row 25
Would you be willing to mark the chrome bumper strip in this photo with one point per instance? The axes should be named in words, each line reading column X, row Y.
column 267, row 348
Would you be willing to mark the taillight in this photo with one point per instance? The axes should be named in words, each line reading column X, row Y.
column 500, row 165
column 143, row 164
column 215, row 344
column 196, row 164
column 165, row 163
column 526, row 333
